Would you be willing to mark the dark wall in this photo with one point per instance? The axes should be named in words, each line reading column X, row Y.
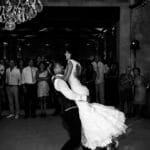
column 141, row 32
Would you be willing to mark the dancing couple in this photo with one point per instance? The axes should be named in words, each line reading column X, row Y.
column 91, row 125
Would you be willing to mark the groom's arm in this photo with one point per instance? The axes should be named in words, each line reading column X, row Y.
column 61, row 86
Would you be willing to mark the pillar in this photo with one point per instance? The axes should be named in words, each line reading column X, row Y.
column 124, row 38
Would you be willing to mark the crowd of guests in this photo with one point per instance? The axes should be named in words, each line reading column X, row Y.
column 24, row 84
column 133, row 92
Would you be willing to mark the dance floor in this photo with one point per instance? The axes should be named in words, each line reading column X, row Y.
column 48, row 134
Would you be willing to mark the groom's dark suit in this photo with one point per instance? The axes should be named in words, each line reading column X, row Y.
column 70, row 117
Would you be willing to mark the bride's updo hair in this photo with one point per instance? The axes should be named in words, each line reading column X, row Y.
column 69, row 51
column 73, row 53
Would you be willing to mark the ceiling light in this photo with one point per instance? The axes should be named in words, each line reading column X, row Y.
column 14, row 12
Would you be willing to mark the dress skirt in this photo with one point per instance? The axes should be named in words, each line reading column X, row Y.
column 43, row 89
column 100, row 124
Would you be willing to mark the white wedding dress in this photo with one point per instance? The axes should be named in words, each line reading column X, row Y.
column 100, row 124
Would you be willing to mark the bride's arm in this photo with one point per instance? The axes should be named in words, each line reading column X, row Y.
column 61, row 86
column 68, row 71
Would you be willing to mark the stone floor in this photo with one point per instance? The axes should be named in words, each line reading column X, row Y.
column 48, row 134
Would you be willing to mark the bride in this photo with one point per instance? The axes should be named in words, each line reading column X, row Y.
column 100, row 124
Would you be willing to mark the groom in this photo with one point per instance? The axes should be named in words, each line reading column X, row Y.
column 70, row 112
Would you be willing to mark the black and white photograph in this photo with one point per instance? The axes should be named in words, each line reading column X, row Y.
column 74, row 74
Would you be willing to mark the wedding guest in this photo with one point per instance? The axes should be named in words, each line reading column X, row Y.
column 42, row 87
column 112, row 85
column 38, row 60
column 21, row 65
column 125, row 91
column 99, row 69
column 13, row 80
column 2, row 66
column 30, row 89
column 139, row 93
column 88, row 76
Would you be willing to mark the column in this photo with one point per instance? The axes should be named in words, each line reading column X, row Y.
column 124, row 38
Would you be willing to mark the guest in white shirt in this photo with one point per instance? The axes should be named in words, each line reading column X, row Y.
column 99, row 68
column 13, row 79
column 29, row 85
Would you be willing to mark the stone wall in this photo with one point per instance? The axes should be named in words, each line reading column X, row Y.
column 124, row 39
column 141, row 32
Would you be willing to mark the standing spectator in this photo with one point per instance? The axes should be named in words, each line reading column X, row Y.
column 99, row 68
column 88, row 76
column 21, row 65
column 38, row 60
column 29, row 85
column 13, row 79
column 21, row 91
column 125, row 91
column 2, row 66
column 42, row 87
column 2, row 83
column 42, row 58
column 6, row 62
column 52, row 91
column 50, row 67
column 112, row 85
column 139, row 93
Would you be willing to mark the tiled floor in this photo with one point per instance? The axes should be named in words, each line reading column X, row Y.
column 48, row 134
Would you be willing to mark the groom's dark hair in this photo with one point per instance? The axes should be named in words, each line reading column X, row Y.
column 60, row 59
column 60, row 62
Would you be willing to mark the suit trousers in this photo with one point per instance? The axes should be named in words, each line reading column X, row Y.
column 13, row 98
column 30, row 96
column 73, row 125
